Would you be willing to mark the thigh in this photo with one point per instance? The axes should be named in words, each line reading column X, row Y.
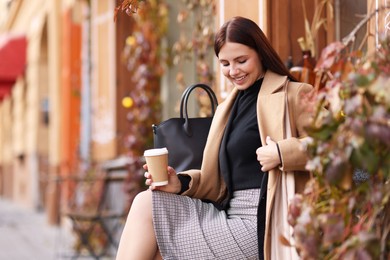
column 188, row 228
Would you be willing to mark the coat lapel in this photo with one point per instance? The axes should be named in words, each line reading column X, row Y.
column 210, row 161
column 271, row 107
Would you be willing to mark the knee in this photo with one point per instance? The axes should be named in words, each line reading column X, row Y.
column 143, row 197
column 142, row 202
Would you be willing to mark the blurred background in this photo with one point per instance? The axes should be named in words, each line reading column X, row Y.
column 82, row 81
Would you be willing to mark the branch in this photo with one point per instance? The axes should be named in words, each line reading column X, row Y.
column 351, row 36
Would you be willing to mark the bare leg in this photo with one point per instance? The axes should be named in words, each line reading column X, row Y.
column 158, row 256
column 138, row 239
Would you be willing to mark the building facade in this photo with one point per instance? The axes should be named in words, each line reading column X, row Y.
column 61, row 107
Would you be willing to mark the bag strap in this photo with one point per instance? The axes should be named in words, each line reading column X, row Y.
column 187, row 92
column 184, row 103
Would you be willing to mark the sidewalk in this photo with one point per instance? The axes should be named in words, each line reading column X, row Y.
column 25, row 234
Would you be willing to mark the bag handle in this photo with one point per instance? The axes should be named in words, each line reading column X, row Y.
column 184, row 102
column 186, row 94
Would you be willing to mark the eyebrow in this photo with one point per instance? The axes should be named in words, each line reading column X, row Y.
column 237, row 58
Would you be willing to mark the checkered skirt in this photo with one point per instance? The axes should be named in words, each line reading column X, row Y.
column 188, row 229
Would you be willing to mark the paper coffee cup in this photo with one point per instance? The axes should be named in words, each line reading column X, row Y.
column 157, row 161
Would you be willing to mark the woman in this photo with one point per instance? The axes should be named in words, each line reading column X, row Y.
column 244, row 155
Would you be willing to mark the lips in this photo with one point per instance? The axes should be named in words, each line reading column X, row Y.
column 238, row 80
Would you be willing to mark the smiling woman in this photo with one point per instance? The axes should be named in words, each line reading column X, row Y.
column 223, row 205
column 240, row 64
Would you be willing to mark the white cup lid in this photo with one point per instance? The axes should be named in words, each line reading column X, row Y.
column 156, row 152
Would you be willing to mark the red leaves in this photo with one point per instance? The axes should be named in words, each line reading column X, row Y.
column 329, row 56
column 128, row 6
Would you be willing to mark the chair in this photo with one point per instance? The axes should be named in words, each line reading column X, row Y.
column 95, row 218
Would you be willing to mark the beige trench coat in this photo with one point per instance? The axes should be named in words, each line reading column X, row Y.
column 207, row 183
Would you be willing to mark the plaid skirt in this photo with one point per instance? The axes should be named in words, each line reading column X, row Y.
column 188, row 229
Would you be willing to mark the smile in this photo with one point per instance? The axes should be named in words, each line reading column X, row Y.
column 240, row 78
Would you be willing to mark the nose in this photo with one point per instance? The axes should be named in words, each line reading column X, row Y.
column 233, row 71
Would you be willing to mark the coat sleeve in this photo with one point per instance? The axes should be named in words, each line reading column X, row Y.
column 194, row 182
column 293, row 154
column 210, row 187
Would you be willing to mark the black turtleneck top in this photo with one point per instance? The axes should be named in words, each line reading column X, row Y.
column 238, row 159
column 237, row 155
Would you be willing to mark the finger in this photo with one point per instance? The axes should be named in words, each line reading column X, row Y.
column 147, row 175
column 258, row 152
column 171, row 170
column 261, row 166
column 148, row 182
column 145, row 166
column 269, row 140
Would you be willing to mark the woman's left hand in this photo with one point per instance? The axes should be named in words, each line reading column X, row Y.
column 268, row 155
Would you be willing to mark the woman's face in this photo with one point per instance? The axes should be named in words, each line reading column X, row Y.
column 240, row 64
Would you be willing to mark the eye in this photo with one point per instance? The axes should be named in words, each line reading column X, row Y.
column 242, row 61
column 224, row 64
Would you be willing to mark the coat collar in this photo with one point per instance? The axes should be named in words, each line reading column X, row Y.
column 272, row 82
column 271, row 106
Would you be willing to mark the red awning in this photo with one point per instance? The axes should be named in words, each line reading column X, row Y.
column 12, row 60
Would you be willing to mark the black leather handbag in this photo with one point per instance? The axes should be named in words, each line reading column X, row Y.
column 184, row 137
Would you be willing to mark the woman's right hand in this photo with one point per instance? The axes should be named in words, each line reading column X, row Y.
column 173, row 186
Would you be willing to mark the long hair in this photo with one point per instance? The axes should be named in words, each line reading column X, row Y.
column 244, row 31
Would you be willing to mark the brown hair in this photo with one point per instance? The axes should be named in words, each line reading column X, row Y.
column 244, row 31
